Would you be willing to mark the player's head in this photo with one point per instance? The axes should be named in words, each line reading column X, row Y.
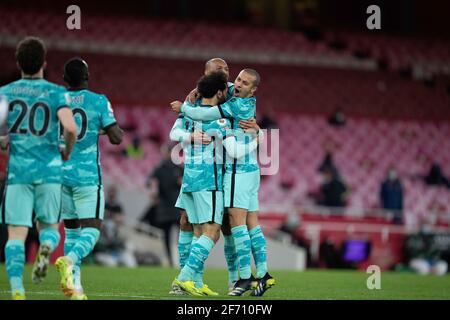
column 30, row 55
column 246, row 83
column 76, row 72
column 213, row 85
column 217, row 65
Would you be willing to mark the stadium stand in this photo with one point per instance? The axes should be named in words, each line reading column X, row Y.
column 392, row 119
column 366, row 150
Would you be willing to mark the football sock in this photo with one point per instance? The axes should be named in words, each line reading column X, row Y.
column 231, row 258
column 243, row 250
column 15, row 262
column 184, row 245
column 198, row 276
column 259, row 250
column 50, row 237
column 72, row 236
column 199, row 253
column 84, row 245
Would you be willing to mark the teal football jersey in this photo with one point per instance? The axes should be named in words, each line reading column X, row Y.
column 203, row 164
column 241, row 109
column 238, row 109
column 34, row 156
column 92, row 112
column 235, row 109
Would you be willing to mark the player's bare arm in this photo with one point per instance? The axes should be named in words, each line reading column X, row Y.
column 249, row 124
column 192, row 96
column 115, row 134
column 200, row 137
column 65, row 116
column 176, row 106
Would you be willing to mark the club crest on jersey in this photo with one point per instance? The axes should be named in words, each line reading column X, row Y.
column 221, row 122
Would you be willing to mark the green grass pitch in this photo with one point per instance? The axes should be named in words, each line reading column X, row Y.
column 154, row 283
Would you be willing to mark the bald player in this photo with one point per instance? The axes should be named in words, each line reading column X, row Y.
column 241, row 184
column 188, row 235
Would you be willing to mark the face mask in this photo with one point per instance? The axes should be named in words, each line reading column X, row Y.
column 392, row 175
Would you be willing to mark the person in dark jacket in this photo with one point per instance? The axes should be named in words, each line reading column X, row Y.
column 436, row 178
column 333, row 191
column 391, row 195
column 166, row 181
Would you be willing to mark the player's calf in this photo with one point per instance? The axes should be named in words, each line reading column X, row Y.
column 40, row 266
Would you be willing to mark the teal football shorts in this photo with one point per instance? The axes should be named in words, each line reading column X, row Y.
column 20, row 200
column 86, row 202
column 202, row 206
column 241, row 190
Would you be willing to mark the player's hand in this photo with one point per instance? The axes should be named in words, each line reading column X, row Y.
column 176, row 106
column 193, row 96
column 200, row 137
column 64, row 154
column 206, row 139
column 4, row 142
column 248, row 124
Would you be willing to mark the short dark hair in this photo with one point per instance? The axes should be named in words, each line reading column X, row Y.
column 30, row 55
column 255, row 74
column 209, row 85
column 76, row 71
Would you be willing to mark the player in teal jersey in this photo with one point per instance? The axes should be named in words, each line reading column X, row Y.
column 202, row 195
column 35, row 162
column 82, row 198
column 187, row 235
column 241, row 184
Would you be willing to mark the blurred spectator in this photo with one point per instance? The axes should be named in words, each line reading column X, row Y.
column 291, row 226
column 333, row 190
column 165, row 183
column 391, row 195
column 329, row 254
column 436, row 178
column 328, row 164
column 112, row 205
column 422, row 251
column 267, row 120
column 337, row 119
column 134, row 149
column 112, row 249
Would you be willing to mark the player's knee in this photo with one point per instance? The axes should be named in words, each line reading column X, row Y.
column 197, row 230
column 252, row 220
column 91, row 223
column 42, row 225
column 17, row 233
column 214, row 236
column 184, row 223
column 237, row 219
column 212, row 231
column 72, row 223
